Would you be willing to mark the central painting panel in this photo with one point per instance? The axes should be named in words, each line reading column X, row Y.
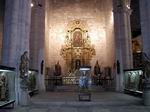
column 77, row 39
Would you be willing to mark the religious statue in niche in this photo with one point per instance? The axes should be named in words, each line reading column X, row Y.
column 24, row 69
column 57, row 69
column 77, row 39
column 3, row 87
column 78, row 64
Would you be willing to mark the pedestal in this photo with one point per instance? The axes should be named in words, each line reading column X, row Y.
column 84, row 96
column 24, row 98
column 146, row 93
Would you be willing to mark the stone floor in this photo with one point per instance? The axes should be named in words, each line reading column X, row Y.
column 68, row 102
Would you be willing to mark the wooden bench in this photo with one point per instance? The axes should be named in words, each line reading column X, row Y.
column 84, row 96
column 7, row 104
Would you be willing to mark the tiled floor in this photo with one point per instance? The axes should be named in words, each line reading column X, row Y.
column 68, row 102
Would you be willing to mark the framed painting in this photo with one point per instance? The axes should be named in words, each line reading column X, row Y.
column 77, row 39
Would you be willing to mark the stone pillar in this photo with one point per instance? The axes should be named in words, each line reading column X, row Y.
column 2, row 7
column 16, row 38
column 37, row 39
column 122, row 39
column 145, row 26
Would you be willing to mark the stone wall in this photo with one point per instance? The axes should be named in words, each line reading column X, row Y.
column 2, row 4
column 98, row 16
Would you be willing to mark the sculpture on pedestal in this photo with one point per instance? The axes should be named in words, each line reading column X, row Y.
column 57, row 69
column 97, row 70
column 24, row 69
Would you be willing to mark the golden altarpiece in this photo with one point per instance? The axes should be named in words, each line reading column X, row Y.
column 77, row 50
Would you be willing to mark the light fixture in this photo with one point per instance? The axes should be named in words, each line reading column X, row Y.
column 128, row 6
column 37, row 3
column 32, row 4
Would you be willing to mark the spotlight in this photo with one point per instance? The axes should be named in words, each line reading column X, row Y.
column 32, row 4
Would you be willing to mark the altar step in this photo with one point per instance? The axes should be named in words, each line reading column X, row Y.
column 75, row 88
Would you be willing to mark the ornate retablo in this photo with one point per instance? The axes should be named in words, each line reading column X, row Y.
column 77, row 49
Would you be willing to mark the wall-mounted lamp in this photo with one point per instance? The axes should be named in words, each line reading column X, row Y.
column 36, row 3
column 32, row 4
column 128, row 6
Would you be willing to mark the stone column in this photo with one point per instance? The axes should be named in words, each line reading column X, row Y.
column 16, row 38
column 145, row 26
column 37, row 39
column 122, row 39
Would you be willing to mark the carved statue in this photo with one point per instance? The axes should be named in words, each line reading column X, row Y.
column 24, row 68
column 97, row 70
column 57, row 69
column 24, row 65
column 3, row 87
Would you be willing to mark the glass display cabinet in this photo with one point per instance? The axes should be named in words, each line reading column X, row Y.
column 33, row 88
column 134, row 80
column 7, row 85
column 85, row 84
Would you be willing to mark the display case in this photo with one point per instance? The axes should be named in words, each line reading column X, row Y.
column 85, row 84
column 33, row 88
column 7, row 84
column 134, row 80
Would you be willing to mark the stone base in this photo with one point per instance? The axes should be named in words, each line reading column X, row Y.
column 84, row 96
column 146, row 98
column 24, row 98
